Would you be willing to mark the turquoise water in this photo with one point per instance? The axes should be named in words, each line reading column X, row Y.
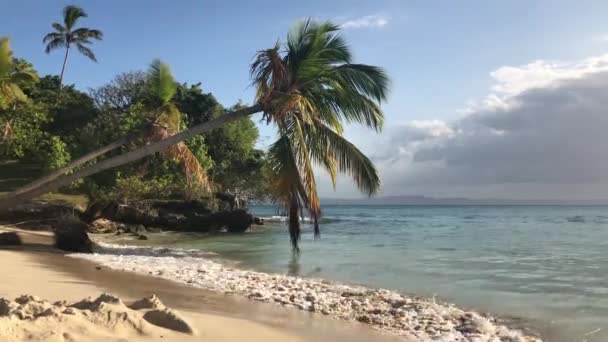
column 546, row 265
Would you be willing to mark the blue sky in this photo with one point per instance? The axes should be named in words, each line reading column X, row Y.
column 439, row 54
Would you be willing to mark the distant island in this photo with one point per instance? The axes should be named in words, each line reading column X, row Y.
column 424, row 200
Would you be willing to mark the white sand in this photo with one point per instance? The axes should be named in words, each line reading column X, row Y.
column 39, row 320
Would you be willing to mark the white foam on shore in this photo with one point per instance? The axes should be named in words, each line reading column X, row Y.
column 416, row 318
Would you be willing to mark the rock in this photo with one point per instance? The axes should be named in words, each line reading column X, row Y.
column 71, row 235
column 9, row 239
column 364, row 319
column 142, row 237
column 102, row 226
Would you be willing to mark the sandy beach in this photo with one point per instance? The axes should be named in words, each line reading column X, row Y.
column 38, row 270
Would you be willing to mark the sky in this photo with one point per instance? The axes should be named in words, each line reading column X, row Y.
column 489, row 99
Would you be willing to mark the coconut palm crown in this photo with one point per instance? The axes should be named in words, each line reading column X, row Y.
column 309, row 88
column 166, row 120
column 11, row 79
column 66, row 36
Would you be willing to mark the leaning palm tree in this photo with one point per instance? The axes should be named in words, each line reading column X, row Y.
column 67, row 36
column 309, row 90
column 308, row 87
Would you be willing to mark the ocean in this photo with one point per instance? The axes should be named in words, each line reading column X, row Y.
column 542, row 266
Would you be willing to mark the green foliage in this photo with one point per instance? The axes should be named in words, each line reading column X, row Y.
column 68, row 108
column 136, row 187
column 22, row 130
column 53, row 154
column 197, row 106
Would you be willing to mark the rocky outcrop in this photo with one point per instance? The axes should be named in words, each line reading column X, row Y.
column 71, row 235
column 9, row 239
column 195, row 216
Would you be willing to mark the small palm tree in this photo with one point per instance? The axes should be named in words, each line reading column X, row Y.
column 308, row 88
column 11, row 79
column 67, row 36
column 166, row 120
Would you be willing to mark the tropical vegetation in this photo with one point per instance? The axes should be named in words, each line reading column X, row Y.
column 144, row 134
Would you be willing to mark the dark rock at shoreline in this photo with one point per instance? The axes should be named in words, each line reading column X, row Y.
column 71, row 235
column 152, row 216
column 235, row 221
column 10, row 239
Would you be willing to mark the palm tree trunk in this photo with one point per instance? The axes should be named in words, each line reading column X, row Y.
column 75, row 163
column 65, row 60
column 12, row 200
column 294, row 223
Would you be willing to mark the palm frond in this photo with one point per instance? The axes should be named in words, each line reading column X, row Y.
column 86, row 51
column 86, row 33
column 59, row 28
column 55, row 43
column 11, row 79
column 161, row 83
column 52, row 36
column 71, row 14
column 324, row 142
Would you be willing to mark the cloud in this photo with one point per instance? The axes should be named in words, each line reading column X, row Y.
column 542, row 131
column 369, row 21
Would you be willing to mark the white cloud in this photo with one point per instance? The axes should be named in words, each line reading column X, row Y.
column 540, row 132
column 368, row 21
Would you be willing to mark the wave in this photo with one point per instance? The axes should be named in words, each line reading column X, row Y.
column 104, row 248
column 278, row 218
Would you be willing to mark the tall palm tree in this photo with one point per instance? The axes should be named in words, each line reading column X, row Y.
column 67, row 36
column 11, row 79
column 308, row 88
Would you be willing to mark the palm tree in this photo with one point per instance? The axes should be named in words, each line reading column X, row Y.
column 11, row 79
column 308, row 88
column 67, row 36
column 309, row 91
column 166, row 120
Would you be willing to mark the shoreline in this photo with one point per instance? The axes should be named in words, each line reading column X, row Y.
column 73, row 277
column 410, row 317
